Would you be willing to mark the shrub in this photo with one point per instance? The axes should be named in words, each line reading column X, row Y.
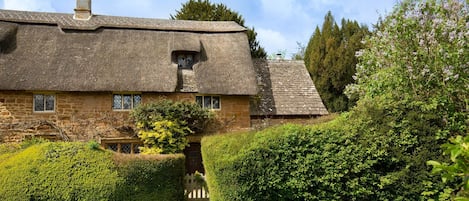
column 150, row 177
column 458, row 169
column 8, row 150
column 58, row 171
column 340, row 160
column 219, row 153
column 164, row 138
column 413, row 95
column 185, row 113
column 80, row 171
column 163, row 125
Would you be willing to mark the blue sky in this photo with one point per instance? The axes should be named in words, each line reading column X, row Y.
column 280, row 24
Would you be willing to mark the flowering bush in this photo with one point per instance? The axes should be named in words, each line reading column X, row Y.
column 419, row 57
column 164, row 125
column 164, row 137
column 414, row 73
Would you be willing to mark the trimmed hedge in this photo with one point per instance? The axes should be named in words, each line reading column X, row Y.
column 220, row 153
column 346, row 159
column 151, row 177
column 58, row 171
column 79, row 171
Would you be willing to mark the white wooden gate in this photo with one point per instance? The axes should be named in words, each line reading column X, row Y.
column 195, row 187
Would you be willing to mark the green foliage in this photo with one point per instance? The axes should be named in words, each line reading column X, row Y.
column 186, row 114
column 458, row 150
column 165, row 137
column 219, row 153
column 300, row 55
column 348, row 158
column 151, row 177
column 33, row 141
column 412, row 91
column 93, row 145
column 78, row 171
column 330, row 59
column 8, row 149
column 58, row 171
column 204, row 10
column 414, row 70
column 163, row 125
column 419, row 59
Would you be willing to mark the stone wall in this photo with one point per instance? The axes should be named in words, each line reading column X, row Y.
column 81, row 116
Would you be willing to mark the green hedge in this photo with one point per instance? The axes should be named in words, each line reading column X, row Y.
column 79, row 171
column 346, row 159
column 151, row 177
column 219, row 153
column 58, row 171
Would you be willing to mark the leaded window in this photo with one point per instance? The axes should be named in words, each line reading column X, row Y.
column 44, row 102
column 184, row 59
column 126, row 101
column 125, row 146
column 208, row 102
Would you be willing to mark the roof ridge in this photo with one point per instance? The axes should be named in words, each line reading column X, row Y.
column 66, row 21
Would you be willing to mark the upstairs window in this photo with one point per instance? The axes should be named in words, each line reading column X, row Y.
column 184, row 59
column 44, row 102
column 208, row 102
column 125, row 101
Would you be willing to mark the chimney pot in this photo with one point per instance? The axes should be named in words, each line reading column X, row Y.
column 83, row 10
column 279, row 56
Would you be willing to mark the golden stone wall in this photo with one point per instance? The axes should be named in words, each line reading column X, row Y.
column 82, row 116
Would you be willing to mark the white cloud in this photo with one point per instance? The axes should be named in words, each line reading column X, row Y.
column 274, row 41
column 279, row 8
column 29, row 5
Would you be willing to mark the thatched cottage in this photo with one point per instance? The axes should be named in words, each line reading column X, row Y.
column 77, row 76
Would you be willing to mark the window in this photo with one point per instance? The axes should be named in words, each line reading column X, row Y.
column 184, row 59
column 122, row 145
column 44, row 102
column 125, row 101
column 208, row 102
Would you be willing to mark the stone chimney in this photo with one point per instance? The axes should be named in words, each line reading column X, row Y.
column 83, row 10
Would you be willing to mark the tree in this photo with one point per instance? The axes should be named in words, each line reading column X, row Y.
column 204, row 10
column 300, row 55
column 330, row 59
column 414, row 71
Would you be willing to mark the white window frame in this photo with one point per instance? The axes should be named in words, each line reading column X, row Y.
column 44, row 103
column 132, row 104
column 211, row 99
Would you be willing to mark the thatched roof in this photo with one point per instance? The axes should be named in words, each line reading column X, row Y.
column 286, row 89
column 50, row 51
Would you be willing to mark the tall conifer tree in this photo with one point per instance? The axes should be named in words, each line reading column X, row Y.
column 330, row 59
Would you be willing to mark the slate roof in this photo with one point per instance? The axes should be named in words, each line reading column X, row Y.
column 285, row 89
column 50, row 51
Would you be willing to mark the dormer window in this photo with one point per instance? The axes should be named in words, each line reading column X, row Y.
column 184, row 60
